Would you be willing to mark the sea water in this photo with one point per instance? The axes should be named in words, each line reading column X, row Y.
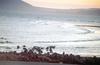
column 79, row 35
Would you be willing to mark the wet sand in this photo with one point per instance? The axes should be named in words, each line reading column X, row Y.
column 28, row 63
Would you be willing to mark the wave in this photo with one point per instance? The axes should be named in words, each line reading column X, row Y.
column 87, row 47
column 89, row 26
column 86, row 31
column 5, row 42
column 89, row 40
column 66, row 41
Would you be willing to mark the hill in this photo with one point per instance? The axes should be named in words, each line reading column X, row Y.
column 19, row 6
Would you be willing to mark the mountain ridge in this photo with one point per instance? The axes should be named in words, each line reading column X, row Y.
column 20, row 6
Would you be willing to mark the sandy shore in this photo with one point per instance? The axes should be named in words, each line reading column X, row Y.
column 28, row 63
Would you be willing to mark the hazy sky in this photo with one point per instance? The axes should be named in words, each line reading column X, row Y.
column 65, row 4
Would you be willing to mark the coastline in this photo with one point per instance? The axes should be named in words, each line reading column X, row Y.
column 29, row 63
column 48, row 58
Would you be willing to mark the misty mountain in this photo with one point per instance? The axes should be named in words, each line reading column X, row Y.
column 19, row 6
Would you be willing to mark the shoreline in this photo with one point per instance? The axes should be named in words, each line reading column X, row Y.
column 29, row 63
column 35, row 54
column 48, row 58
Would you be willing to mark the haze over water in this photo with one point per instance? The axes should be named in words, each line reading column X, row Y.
column 75, row 31
column 75, row 35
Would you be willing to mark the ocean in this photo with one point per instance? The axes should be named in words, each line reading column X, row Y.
column 74, row 34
